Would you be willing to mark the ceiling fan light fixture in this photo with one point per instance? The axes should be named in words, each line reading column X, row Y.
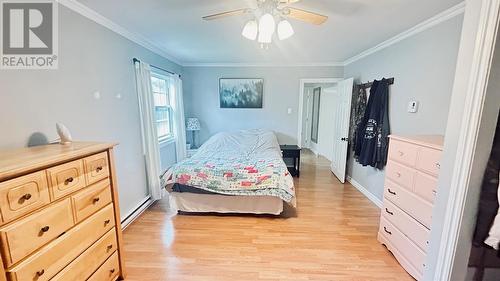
column 267, row 26
column 285, row 30
column 250, row 30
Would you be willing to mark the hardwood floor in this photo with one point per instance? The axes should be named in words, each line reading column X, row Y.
column 332, row 236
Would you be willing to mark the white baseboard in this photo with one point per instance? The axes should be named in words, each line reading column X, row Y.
column 365, row 192
column 137, row 211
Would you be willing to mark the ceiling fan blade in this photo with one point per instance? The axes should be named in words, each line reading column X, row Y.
column 227, row 14
column 306, row 16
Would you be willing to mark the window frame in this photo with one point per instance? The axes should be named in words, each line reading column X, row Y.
column 169, row 138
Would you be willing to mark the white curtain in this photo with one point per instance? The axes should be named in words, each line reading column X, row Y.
column 179, row 119
column 150, row 145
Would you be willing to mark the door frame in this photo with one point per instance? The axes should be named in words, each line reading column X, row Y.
column 483, row 27
column 304, row 81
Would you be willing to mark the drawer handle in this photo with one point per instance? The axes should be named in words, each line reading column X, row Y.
column 387, row 231
column 69, row 180
column 106, row 222
column 40, row 273
column 391, row 192
column 398, row 174
column 401, row 153
column 110, row 247
column 96, row 200
column 438, row 165
column 26, row 196
column 98, row 169
column 389, row 212
column 112, row 270
column 45, row 229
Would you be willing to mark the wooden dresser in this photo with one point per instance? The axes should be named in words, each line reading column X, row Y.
column 409, row 193
column 59, row 214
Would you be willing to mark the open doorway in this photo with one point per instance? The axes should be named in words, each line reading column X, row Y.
column 324, row 114
column 316, row 134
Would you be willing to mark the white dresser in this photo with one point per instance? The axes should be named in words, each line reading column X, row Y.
column 410, row 189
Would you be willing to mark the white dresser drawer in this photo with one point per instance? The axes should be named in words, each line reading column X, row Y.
column 413, row 205
column 428, row 160
column 400, row 174
column 407, row 253
column 426, row 186
column 406, row 224
column 403, row 152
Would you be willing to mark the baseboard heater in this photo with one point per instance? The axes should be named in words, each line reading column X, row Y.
column 137, row 211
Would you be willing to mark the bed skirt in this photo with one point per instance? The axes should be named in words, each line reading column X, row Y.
column 214, row 203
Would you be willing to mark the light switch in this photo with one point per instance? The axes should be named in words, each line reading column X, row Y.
column 413, row 106
column 289, row 110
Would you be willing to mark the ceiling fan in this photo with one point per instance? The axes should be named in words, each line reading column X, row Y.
column 262, row 26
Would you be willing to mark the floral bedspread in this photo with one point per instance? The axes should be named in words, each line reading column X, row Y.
column 242, row 163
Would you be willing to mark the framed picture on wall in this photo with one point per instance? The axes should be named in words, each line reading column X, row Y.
column 241, row 92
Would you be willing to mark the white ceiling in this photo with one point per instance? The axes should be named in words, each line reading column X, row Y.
column 176, row 27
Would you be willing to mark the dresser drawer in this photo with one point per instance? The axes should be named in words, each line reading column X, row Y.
column 22, row 195
column 403, row 152
column 406, row 224
column 400, row 174
column 96, row 167
column 108, row 271
column 66, row 178
column 88, row 262
column 401, row 246
column 50, row 259
column 24, row 236
column 409, row 202
column 426, row 186
column 428, row 160
column 91, row 199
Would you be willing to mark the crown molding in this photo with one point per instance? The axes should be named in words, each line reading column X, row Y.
column 435, row 20
column 100, row 19
column 258, row 64
column 139, row 39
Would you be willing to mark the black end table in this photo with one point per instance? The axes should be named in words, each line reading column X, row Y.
column 292, row 152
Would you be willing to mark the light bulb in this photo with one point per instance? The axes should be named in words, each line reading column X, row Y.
column 250, row 30
column 285, row 30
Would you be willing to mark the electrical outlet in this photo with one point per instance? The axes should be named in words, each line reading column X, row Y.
column 413, row 106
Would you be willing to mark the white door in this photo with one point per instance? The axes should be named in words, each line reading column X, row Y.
column 342, row 113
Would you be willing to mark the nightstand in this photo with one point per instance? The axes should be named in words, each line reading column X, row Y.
column 191, row 152
column 291, row 156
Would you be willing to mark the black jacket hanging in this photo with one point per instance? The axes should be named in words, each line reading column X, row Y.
column 372, row 136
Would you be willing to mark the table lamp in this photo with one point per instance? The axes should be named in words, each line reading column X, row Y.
column 193, row 125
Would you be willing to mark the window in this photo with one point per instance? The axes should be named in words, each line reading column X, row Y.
column 163, row 110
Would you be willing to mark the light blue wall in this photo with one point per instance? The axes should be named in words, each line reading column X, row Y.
column 281, row 91
column 91, row 58
column 424, row 68
column 168, row 155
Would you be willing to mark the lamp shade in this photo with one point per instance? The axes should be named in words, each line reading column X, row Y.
column 193, row 124
column 250, row 30
column 285, row 30
column 267, row 26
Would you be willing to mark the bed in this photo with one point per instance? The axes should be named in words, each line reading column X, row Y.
column 237, row 172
